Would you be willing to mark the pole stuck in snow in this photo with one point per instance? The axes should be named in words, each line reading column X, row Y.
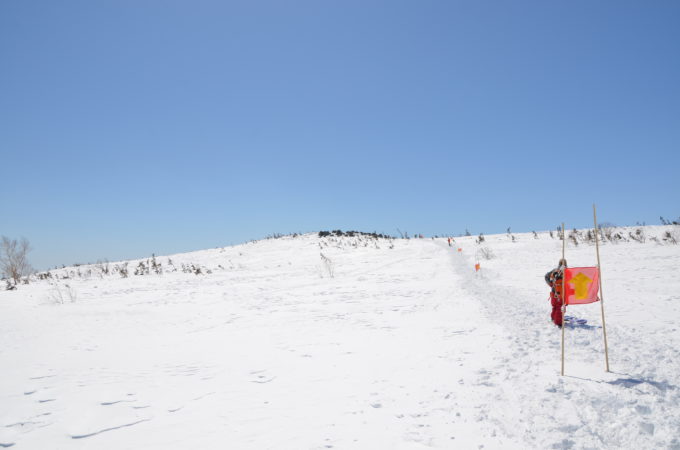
column 564, row 306
column 597, row 249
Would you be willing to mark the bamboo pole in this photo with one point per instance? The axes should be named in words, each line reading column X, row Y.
column 564, row 307
column 597, row 250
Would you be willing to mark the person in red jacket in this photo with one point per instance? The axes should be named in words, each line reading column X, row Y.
column 554, row 280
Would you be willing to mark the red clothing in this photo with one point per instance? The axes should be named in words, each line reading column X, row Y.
column 556, row 314
column 554, row 280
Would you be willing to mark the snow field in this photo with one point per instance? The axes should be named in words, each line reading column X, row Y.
column 404, row 347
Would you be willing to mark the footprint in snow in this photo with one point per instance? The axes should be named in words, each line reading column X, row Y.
column 261, row 377
column 104, row 430
column 113, row 402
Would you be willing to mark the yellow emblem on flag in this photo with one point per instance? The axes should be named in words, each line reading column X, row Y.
column 581, row 283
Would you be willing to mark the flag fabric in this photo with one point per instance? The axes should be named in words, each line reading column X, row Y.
column 582, row 285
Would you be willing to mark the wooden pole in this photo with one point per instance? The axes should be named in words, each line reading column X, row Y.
column 597, row 250
column 564, row 240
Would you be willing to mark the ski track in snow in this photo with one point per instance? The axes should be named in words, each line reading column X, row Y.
column 403, row 348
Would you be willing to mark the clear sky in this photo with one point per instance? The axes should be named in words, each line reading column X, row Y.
column 136, row 127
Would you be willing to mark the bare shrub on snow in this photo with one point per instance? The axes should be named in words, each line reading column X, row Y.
column 638, row 236
column 102, row 267
column 156, row 266
column 589, row 237
column 574, row 236
column 61, row 294
column 328, row 265
column 122, row 269
column 14, row 258
column 486, row 253
column 671, row 237
column 608, row 233
column 669, row 222
column 142, row 269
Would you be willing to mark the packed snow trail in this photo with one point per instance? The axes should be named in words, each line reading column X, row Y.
column 636, row 405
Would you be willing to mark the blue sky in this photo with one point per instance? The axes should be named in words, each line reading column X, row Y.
column 136, row 127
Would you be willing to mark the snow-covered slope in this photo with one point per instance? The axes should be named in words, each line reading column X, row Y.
column 404, row 346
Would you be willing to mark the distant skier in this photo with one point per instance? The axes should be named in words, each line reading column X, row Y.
column 554, row 280
column 449, row 242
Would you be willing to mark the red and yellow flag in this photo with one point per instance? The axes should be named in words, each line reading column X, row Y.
column 581, row 285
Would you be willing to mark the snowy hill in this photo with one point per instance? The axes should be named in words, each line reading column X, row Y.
column 346, row 342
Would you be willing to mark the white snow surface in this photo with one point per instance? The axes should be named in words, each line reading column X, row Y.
column 405, row 347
